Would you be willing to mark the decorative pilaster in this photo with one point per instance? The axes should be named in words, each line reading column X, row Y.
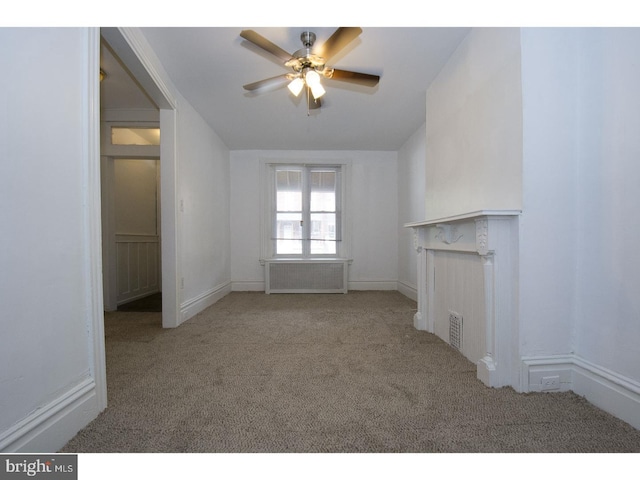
column 486, row 367
column 482, row 236
column 420, row 317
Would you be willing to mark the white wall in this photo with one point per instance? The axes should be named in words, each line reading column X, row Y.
column 203, row 213
column 548, row 222
column 579, row 275
column 411, row 195
column 50, row 286
column 474, row 127
column 372, row 212
column 608, row 230
column 136, row 196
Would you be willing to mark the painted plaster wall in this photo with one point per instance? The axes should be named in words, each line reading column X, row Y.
column 203, row 205
column 548, row 222
column 411, row 194
column 608, row 230
column 45, row 247
column 136, row 196
column 474, row 127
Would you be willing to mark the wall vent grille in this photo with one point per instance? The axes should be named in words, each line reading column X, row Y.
column 306, row 277
column 455, row 330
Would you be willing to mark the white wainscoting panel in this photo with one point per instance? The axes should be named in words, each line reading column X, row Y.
column 458, row 288
column 138, row 266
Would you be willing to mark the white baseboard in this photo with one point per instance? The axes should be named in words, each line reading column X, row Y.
column 535, row 369
column 247, row 286
column 373, row 285
column 49, row 428
column 195, row 305
column 613, row 393
column 404, row 288
column 408, row 290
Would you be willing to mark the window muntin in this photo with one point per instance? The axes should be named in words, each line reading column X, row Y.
column 306, row 211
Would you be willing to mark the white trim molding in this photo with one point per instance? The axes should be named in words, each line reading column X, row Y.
column 408, row 290
column 50, row 427
column 608, row 390
column 192, row 307
column 491, row 235
column 93, row 222
column 373, row 285
column 247, row 286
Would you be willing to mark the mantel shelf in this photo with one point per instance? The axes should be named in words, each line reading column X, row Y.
column 464, row 216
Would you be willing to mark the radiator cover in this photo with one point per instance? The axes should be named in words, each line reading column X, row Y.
column 299, row 276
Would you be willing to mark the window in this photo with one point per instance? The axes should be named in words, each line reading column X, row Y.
column 306, row 217
column 135, row 136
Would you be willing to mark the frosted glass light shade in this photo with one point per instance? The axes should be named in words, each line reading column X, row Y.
column 296, row 85
column 317, row 90
column 312, row 78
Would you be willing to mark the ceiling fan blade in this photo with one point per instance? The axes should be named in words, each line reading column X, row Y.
column 337, row 41
column 268, row 83
column 365, row 79
column 265, row 44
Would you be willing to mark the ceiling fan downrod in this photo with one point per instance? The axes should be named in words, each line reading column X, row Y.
column 308, row 39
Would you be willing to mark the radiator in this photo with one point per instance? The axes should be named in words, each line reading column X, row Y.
column 299, row 276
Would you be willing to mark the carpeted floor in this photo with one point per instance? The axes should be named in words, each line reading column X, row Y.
column 320, row 373
column 151, row 303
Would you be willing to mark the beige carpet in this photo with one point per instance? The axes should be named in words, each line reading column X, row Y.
column 320, row 373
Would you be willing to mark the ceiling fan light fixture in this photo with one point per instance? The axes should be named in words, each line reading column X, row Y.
column 312, row 78
column 317, row 90
column 296, row 85
column 308, row 66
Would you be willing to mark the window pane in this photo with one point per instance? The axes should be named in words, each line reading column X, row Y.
column 323, row 191
column 319, row 247
column 135, row 136
column 289, row 234
column 323, row 226
column 288, row 226
column 289, row 247
column 289, row 190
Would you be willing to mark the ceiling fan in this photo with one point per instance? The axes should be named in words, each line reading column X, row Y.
column 309, row 66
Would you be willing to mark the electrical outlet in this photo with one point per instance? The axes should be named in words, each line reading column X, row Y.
column 550, row 383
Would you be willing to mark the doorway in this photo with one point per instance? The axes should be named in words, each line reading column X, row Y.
column 134, row 58
column 136, row 233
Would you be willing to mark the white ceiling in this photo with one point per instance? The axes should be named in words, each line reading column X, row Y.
column 209, row 66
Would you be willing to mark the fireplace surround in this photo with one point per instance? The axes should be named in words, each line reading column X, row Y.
column 468, row 268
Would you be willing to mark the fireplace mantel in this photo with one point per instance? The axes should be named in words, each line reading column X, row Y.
column 492, row 235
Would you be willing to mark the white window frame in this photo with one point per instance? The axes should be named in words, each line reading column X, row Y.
column 268, row 250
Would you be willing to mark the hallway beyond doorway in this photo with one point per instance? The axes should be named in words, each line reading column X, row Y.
column 151, row 303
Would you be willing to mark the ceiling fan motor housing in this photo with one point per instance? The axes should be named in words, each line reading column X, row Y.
column 303, row 58
column 308, row 39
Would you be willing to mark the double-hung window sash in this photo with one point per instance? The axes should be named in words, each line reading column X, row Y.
column 306, row 211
